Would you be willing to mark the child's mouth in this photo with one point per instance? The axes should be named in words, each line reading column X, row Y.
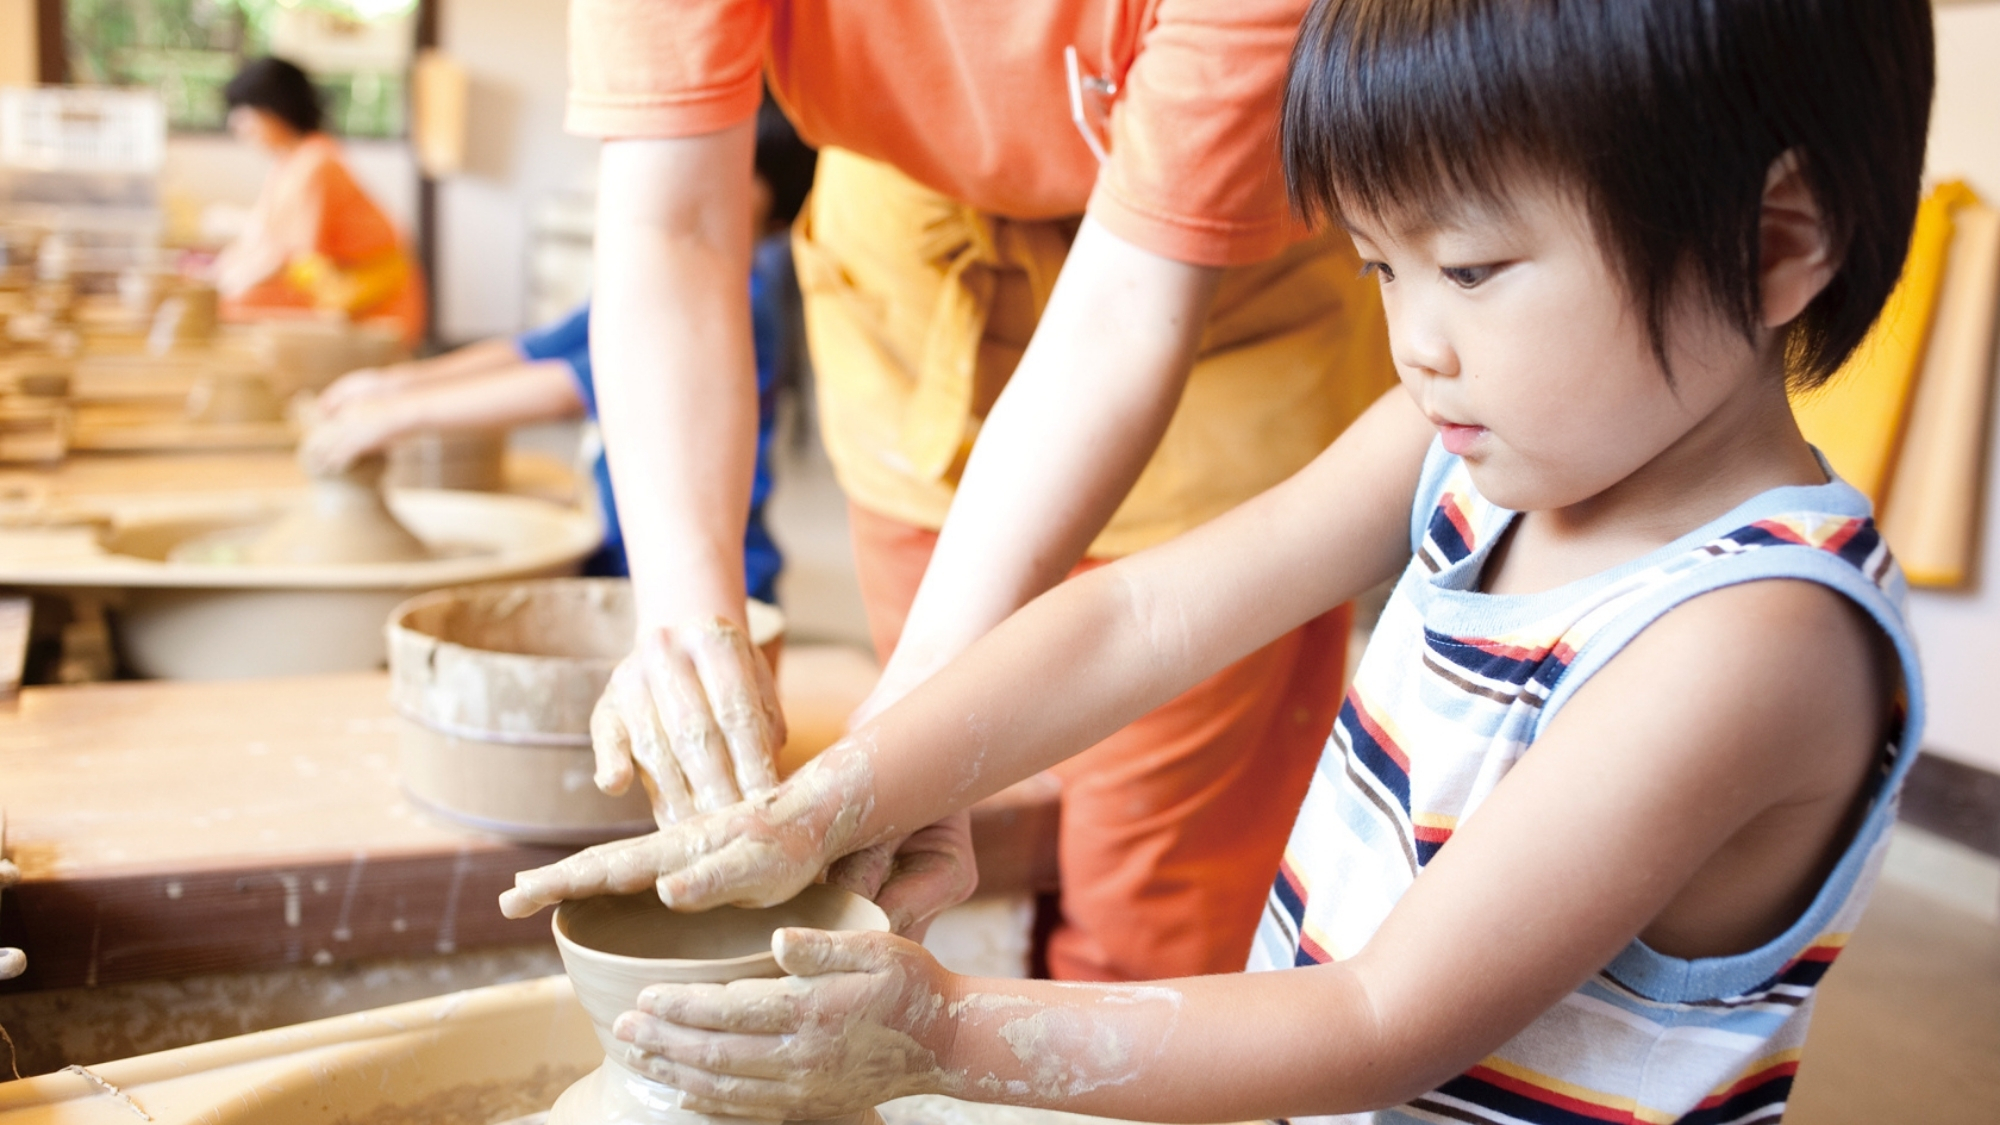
column 1459, row 440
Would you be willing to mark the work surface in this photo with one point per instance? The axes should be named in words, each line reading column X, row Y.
column 164, row 829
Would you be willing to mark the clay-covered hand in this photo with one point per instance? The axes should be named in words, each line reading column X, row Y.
column 757, row 853
column 915, row 880
column 696, row 708
column 339, row 438
column 359, row 384
column 862, row 1018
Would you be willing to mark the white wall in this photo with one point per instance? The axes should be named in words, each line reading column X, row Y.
column 212, row 168
column 516, row 155
column 1960, row 632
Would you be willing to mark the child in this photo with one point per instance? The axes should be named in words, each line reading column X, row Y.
column 1616, row 770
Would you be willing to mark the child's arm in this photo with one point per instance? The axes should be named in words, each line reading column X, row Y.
column 1063, row 673
column 1647, row 808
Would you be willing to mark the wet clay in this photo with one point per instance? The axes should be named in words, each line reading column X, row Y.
column 613, row 946
column 343, row 522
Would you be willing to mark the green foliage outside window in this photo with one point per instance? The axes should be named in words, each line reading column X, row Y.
column 189, row 49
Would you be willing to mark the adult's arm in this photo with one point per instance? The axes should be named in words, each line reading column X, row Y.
column 675, row 373
column 1064, row 443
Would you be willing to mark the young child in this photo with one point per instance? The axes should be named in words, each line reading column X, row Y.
column 1611, row 784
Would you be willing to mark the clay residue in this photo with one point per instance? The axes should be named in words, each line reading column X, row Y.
column 1066, row 1052
column 477, row 1103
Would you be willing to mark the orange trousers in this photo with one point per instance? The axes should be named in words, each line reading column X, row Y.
column 1172, row 828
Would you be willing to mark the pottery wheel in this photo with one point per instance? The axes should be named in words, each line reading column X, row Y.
column 343, row 521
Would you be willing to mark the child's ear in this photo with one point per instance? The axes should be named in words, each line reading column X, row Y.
column 1795, row 258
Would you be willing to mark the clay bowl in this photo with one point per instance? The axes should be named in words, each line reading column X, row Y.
column 497, row 682
column 614, row 946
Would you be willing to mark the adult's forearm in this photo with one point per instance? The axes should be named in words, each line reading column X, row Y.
column 1066, row 440
column 675, row 370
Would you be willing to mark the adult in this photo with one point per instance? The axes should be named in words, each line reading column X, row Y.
column 315, row 239
column 1059, row 229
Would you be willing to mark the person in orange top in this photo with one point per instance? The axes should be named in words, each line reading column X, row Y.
column 1059, row 228
column 315, row 240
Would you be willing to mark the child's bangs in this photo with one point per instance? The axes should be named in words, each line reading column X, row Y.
column 1401, row 120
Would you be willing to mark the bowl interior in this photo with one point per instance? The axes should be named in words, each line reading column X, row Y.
column 640, row 926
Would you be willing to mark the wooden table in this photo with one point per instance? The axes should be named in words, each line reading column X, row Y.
column 166, row 828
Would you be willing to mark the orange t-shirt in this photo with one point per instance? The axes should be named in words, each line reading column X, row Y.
column 972, row 100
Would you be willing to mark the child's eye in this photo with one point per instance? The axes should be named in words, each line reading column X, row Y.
column 1467, row 277
column 1380, row 270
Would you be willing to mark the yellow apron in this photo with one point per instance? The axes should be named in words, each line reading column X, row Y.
column 917, row 309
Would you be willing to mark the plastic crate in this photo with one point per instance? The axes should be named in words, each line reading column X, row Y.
column 76, row 130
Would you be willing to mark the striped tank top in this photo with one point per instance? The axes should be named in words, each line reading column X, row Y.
column 1453, row 689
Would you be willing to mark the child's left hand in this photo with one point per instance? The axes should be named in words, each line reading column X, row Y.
column 862, row 1018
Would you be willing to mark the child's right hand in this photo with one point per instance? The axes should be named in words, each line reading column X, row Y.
column 755, row 853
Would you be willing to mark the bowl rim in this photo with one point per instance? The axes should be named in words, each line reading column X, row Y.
column 565, row 942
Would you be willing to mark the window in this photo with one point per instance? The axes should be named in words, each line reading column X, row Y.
column 358, row 52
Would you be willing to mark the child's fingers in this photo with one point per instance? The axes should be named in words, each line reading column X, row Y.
column 721, row 1053
column 620, row 867
column 751, row 1007
column 812, row 953
column 721, row 1094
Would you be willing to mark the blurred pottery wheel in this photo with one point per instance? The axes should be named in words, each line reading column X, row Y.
column 470, row 460
column 343, row 521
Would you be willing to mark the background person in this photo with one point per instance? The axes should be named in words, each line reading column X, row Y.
column 545, row 375
column 314, row 239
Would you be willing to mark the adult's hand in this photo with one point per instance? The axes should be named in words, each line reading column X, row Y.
column 695, row 708
column 915, row 879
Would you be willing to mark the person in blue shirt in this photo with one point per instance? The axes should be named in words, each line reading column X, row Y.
column 545, row 375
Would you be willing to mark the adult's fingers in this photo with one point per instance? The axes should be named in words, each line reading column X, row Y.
column 744, row 699
column 863, row 872
column 934, row 870
column 666, row 784
column 692, row 733
column 749, row 1007
column 611, row 746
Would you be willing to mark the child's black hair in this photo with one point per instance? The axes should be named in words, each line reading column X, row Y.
column 785, row 162
column 1664, row 117
column 279, row 87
